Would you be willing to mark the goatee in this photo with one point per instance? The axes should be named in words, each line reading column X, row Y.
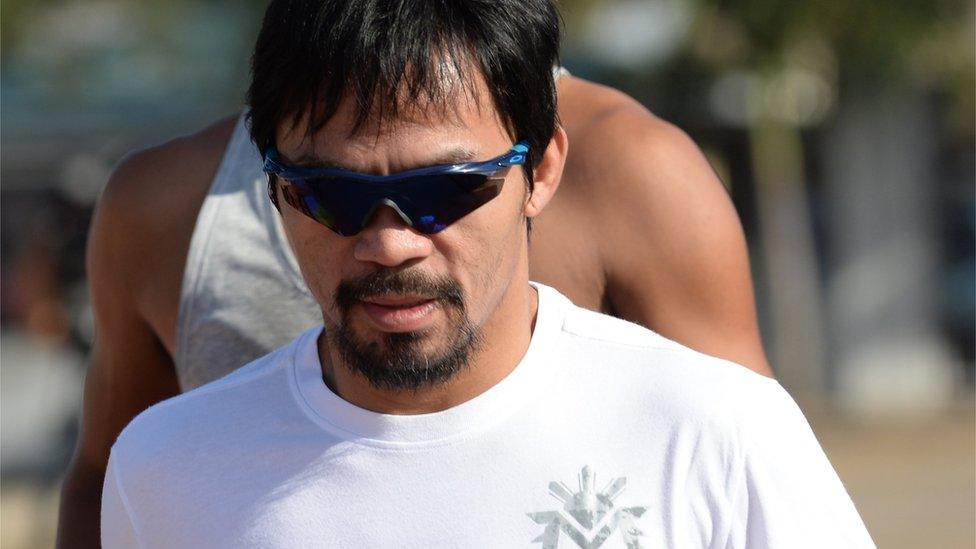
column 398, row 361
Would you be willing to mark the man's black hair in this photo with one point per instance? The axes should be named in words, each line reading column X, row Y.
column 388, row 54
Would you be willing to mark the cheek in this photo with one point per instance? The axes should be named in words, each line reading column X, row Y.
column 483, row 248
column 316, row 249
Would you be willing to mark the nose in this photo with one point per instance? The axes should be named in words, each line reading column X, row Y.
column 389, row 241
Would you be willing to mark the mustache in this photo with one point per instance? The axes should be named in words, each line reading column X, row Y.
column 385, row 282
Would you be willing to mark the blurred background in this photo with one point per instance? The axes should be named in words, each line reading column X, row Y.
column 843, row 130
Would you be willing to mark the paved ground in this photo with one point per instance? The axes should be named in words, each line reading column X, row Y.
column 914, row 482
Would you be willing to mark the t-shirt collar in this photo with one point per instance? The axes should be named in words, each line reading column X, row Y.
column 351, row 422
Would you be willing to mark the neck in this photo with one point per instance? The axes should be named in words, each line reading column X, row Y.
column 505, row 335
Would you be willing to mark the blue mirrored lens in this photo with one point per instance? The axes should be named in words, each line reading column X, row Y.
column 430, row 202
column 337, row 208
column 432, row 208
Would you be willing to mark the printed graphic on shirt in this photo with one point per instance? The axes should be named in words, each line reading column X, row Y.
column 588, row 517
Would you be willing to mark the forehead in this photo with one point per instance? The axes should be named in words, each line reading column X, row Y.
column 462, row 118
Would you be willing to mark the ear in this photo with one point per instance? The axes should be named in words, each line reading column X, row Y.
column 548, row 173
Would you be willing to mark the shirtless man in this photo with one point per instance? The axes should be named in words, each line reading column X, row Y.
column 641, row 227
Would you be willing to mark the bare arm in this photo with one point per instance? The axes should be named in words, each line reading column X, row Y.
column 684, row 271
column 129, row 369
column 136, row 252
column 672, row 246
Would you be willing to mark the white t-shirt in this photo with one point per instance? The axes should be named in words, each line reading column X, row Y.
column 605, row 435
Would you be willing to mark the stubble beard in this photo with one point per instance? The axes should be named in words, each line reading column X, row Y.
column 406, row 361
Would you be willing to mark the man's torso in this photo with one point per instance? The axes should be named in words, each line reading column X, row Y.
column 604, row 435
column 591, row 442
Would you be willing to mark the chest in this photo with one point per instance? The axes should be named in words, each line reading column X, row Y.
column 561, row 484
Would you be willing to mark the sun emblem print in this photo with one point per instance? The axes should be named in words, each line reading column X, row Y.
column 588, row 517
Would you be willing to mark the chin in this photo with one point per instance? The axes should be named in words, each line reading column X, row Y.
column 406, row 360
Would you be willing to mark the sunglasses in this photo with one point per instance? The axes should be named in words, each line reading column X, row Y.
column 428, row 199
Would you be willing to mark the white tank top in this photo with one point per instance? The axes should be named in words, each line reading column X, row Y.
column 242, row 294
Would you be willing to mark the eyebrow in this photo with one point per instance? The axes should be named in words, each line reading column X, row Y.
column 453, row 155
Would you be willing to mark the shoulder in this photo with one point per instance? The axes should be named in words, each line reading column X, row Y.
column 604, row 330
column 617, row 357
column 666, row 357
column 643, row 168
column 165, row 177
column 183, row 155
column 171, row 429
column 145, row 217
column 611, row 131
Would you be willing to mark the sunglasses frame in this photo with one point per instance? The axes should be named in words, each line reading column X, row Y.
column 387, row 183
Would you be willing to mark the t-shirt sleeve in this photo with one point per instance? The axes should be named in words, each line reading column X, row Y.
column 118, row 527
column 788, row 494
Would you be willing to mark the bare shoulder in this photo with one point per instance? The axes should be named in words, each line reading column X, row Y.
column 585, row 106
column 166, row 172
column 671, row 242
column 145, row 218
column 642, row 176
column 636, row 166
column 619, row 141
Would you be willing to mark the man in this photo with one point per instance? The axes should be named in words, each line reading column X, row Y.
column 447, row 401
column 192, row 277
